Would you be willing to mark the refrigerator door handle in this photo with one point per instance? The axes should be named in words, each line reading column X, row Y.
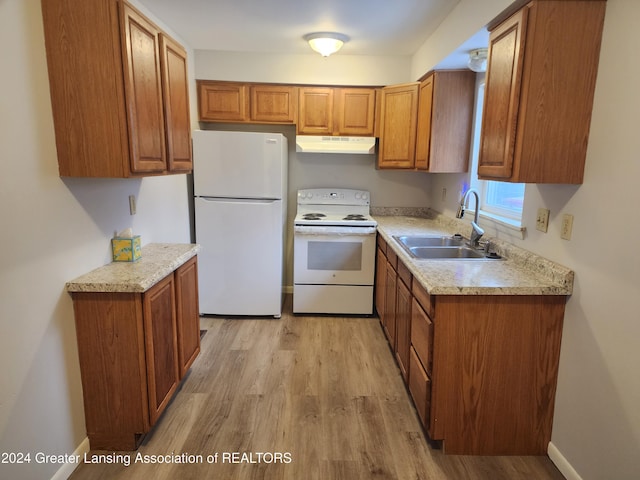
column 240, row 200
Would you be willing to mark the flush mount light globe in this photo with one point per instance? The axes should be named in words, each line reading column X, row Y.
column 326, row 43
column 478, row 60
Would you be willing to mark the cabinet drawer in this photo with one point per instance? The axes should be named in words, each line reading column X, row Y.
column 392, row 258
column 426, row 300
column 404, row 274
column 422, row 335
column 382, row 244
column 420, row 387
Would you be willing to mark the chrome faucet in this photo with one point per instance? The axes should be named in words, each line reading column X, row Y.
column 476, row 232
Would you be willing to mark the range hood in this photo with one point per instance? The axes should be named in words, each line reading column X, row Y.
column 322, row 144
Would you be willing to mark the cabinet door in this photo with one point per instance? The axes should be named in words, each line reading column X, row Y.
column 381, row 281
column 420, row 388
column 176, row 104
column 403, row 327
column 315, row 111
column 143, row 92
column 187, row 314
column 110, row 334
column 390, row 305
column 502, row 97
column 355, row 111
column 223, row 102
column 398, row 126
column 273, row 103
column 423, row 129
column 422, row 336
column 160, row 345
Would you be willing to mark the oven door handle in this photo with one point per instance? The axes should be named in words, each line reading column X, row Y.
column 333, row 230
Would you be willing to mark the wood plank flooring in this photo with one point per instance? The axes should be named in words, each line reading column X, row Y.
column 323, row 390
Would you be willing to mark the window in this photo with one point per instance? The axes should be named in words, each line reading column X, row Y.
column 499, row 200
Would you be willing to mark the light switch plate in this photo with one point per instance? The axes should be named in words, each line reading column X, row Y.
column 542, row 220
column 567, row 226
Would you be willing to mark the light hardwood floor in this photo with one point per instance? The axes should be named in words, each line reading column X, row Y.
column 324, row 390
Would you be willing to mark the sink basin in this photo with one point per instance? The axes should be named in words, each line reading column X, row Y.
column 445, row 253
column 440, row 248
column 431, row 241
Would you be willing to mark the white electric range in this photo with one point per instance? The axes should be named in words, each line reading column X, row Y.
column 334, row 252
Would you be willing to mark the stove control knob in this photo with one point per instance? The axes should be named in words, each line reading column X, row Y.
column 364, row 195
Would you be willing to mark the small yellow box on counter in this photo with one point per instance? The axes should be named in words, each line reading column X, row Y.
column 126, row 249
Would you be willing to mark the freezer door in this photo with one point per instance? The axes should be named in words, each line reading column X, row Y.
column 240, row 264
column 239, row 164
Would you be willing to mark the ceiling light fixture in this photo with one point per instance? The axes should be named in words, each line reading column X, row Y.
column 326, row 43
column 478, row 60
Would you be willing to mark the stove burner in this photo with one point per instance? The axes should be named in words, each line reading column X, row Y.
column 354, row 216
column 313, row 216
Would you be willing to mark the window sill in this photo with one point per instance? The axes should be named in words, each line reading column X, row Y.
column 504, row 225
column 490, row 221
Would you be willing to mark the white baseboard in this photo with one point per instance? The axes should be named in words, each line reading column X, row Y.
column 67, row 469
column 562, row 463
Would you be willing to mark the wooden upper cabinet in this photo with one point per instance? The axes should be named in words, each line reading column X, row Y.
column 143, row 93
column 273, row 103
column 176, row 103
column 398, row 119
column 541, row 75
column 500, row 114
column 355, row 110
column 337, row 111
column 444, row 124
column 108, row 91
column 316, row 111
column 423, row 136
column 223, row 101
column 235, row 102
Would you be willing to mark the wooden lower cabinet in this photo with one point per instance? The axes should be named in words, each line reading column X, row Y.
column 161, row 345
column 187, row 315
column 481, row 369
column 495, row 369
column 403, row 319
column 128, row 347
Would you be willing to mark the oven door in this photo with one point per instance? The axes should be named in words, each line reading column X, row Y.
column 334, row 256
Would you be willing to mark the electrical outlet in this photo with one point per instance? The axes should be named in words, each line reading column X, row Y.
column 542, row 220
column 567, row 226
column 132, row 204
column 444, row 194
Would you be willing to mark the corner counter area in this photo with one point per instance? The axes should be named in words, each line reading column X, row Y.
column 477, row 341
column 138, row 332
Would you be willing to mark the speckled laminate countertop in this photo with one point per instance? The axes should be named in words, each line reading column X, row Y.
column 158, row 260
column 519, row 273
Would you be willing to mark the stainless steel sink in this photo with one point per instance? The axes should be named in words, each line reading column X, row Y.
column 430, row 241
column 445, row 252
column 440, row 248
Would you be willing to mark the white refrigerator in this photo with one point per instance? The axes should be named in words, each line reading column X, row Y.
column 240, row 185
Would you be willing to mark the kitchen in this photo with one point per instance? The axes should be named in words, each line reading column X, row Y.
column 60, row 228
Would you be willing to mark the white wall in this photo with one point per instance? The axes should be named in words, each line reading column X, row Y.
column 596, row 431
column 302, row 69
column 53, row 230
column 466, row 19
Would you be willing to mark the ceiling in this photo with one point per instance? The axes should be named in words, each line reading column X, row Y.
column 375, row 27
